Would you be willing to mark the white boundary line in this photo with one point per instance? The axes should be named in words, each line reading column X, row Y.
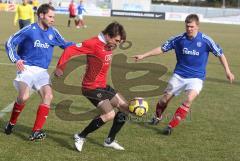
column 7, row 109
column 7, row 64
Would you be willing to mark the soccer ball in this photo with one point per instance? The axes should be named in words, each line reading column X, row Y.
column 138, row 106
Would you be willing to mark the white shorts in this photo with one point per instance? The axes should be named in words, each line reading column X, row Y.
column 35, row 77
column 80, row 17
column 177, row 84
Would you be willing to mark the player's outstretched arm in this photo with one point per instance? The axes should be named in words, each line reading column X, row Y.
column 152, row 52
column 69, row 53
column 229, row 74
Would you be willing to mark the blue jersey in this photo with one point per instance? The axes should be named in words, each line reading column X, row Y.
column 192, row 54
column 80, row 9
column 34, row 45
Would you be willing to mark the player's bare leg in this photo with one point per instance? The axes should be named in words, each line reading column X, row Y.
column 23, row 95
column 42, row 113
column 160, row 108
column 119, row 120
column 120, row 102
column 181, row 112
column 107, row 114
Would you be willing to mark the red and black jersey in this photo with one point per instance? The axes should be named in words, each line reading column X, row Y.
column 98, row 61
column 72, row 9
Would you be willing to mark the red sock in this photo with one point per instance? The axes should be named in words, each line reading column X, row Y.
column 17, row 109
column 159, row 110
column 42, row 114
column 179, row 115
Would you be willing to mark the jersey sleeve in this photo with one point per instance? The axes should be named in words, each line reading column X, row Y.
column 12, row 43
column 171, row 43
column 213, row 47
column 59, row 40
column 168, row 45
column 84, row 10
column 74, row 51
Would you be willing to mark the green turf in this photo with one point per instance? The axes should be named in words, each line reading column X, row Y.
column 210, row 132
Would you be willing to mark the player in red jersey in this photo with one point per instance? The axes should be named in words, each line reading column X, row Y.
column 72, row 8
column 99, row 53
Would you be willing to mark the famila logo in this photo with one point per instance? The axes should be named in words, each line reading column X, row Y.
column 38, row 44
column 189, row 52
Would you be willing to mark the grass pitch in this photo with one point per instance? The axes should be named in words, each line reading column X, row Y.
column 210, row 132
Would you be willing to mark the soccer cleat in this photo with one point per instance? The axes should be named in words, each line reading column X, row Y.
column 8, row 128
column 79, row 141
column 113, row 145
column 155, row 120
column 37, row 135
column 167, row 130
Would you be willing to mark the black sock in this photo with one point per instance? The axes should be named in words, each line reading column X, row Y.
column 94, row 125
column 118, row 122
column 69, row 23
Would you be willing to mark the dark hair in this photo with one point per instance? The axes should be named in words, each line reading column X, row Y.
column 44, row 8
column 114, row 29
column 192, row 18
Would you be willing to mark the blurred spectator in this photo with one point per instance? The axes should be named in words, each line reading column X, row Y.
column 80, row 10
column 35, row 4
column 72, row 8
column 24, row 14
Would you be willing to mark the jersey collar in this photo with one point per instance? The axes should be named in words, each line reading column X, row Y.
column 193, row 37
column 102, row 38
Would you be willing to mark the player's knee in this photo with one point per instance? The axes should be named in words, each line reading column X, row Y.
column 23, row 98
column 108, row 116
column 163, row 101
column 187, row 102
column 123, row 104
column 48, row 97
column 119, row 101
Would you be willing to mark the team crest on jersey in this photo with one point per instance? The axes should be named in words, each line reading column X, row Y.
column 79, row 45
column 50, row 37
column 99, row 95
column 108, row 57
column 199, row 44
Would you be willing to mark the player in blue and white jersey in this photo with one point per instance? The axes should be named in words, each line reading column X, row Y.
column 192, row 49
column 80, row 10
column 31, row 49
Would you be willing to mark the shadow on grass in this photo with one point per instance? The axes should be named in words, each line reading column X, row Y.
column 159, row 131
column 93, row 141
column 23, row 131
column 146, row 125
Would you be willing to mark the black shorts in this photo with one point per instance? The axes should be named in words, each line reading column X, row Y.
column 23, row 23
column 99, row 94
column 72, row 16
